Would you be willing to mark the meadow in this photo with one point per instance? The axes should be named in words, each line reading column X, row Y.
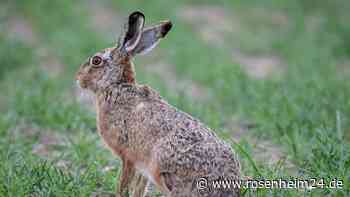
column 269, row 76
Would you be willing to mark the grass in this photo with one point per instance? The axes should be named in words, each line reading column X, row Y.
column 305, row 111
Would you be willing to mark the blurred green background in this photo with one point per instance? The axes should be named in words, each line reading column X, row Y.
column 269, row 76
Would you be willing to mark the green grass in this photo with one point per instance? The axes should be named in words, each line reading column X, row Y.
column 305, row 111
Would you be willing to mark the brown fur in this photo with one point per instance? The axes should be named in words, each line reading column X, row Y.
column 165, row 145
column 129, row 72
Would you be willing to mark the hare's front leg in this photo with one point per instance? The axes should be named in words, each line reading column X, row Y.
column 131, row 182
column 140, row 184
column 128, row 172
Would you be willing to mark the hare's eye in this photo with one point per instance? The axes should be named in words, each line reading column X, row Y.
column 96, row 60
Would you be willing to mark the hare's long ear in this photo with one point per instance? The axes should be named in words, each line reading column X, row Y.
column 132, row 31
column 151, row 36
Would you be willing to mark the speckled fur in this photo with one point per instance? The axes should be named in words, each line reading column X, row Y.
column 167, row 146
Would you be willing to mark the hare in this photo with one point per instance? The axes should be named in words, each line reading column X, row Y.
column 166, row 146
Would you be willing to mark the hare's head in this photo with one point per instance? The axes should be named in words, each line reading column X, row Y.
column 113, row 65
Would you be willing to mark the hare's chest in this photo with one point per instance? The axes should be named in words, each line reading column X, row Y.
column 112, row 129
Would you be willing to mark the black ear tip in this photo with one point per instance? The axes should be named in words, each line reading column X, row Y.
column 166, row 28
column 135, row 15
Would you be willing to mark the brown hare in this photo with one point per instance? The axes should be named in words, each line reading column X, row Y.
column 156, row 142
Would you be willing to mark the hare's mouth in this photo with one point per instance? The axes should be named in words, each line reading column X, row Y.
column 79, row 84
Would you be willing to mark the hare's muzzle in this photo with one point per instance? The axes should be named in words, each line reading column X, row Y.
column 81, row 84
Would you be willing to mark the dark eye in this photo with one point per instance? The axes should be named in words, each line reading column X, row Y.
column 96, row 60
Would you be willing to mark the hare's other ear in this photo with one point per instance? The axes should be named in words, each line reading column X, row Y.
column 132, row 31
column 151, row 36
